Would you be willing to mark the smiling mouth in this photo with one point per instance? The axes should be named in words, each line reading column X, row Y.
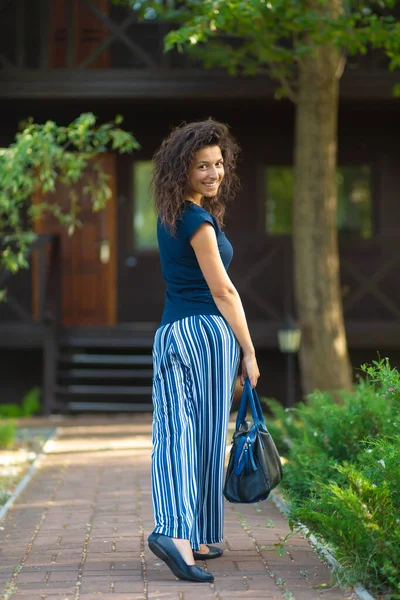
column 211, row 185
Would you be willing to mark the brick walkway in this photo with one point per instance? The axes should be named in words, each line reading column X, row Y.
column 79, row 530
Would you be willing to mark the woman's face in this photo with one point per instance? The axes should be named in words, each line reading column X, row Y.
column 206, row 173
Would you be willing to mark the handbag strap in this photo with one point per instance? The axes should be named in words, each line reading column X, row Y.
column 249, row 396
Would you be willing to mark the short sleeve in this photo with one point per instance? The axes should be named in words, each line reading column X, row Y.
column 192, row 219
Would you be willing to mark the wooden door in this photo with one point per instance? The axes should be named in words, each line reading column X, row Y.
column 88, row 277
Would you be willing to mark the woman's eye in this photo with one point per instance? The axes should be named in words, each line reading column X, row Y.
column 203, row 167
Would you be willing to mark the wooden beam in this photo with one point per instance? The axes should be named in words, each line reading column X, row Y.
column 128, row 83
column 21, row 335
column 20, row 33
column 44, row 34
column 18, row 309
column 372, row 335
column 118, row 32
column 105, row 43
column 185, row 84
column 69, row 19
column 41, row 283
column 256, row 270
column 369, row 284
column 50, row 353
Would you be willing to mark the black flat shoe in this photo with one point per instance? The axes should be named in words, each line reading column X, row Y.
column 163, row 547
column 213, row 552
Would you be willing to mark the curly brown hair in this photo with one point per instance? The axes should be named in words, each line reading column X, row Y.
column 172, row 163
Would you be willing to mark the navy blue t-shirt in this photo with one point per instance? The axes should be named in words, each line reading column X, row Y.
column 187, row 292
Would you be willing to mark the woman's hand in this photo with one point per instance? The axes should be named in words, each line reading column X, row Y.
column 250, row 370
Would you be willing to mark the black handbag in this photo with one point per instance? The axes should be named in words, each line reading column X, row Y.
column 254, row 467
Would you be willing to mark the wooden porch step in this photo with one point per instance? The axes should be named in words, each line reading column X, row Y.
column 119, row 329
column 106, row 369
column 105, row 390
column 122, row 335
column 107, row 342
column 108, row 406
column 106, row 359
column 106, row 373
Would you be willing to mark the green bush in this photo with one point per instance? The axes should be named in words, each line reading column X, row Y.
column 8, row 431
column 361, row 517
column 10, row 411
column 321, row 433
column 342, row 476
column 30, row 405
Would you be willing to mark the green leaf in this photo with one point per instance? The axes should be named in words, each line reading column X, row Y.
column 274, row 35
column 42, row 157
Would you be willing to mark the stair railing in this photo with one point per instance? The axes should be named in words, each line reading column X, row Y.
column 48, row 314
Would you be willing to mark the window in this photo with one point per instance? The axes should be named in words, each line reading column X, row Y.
column 144, row 216
column 354, row 214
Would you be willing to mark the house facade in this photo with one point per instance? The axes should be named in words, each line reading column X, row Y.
column 80, row 321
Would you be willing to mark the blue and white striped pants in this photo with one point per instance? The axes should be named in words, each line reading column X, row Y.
column 196, row 362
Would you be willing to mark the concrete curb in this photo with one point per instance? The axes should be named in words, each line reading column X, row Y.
column 47, row 447
column 359, row 589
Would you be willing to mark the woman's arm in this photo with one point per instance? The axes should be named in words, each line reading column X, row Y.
column 226, row 297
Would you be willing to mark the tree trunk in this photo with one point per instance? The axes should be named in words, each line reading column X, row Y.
column 324, row 358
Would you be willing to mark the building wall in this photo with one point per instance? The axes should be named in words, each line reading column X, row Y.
column 264, row 129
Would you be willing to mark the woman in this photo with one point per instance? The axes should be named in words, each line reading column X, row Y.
column 197, row 346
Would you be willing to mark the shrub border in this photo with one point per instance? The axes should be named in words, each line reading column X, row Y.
column 282, row 506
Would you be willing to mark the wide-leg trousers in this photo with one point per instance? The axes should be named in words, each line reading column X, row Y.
column 195, row 363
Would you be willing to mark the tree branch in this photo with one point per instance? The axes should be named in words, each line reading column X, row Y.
column 290, row 92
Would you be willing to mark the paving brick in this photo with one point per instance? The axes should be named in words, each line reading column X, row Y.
column 43, row 586
column 251, row 595
column 60, row 594
column 84, row 515
column 31, row 577
column 128, row 587
column 119, row 596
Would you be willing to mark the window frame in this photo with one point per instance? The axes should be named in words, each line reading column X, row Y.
column 343, row 236
column 135, row 249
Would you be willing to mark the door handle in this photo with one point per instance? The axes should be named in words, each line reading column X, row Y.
column 104, row 251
